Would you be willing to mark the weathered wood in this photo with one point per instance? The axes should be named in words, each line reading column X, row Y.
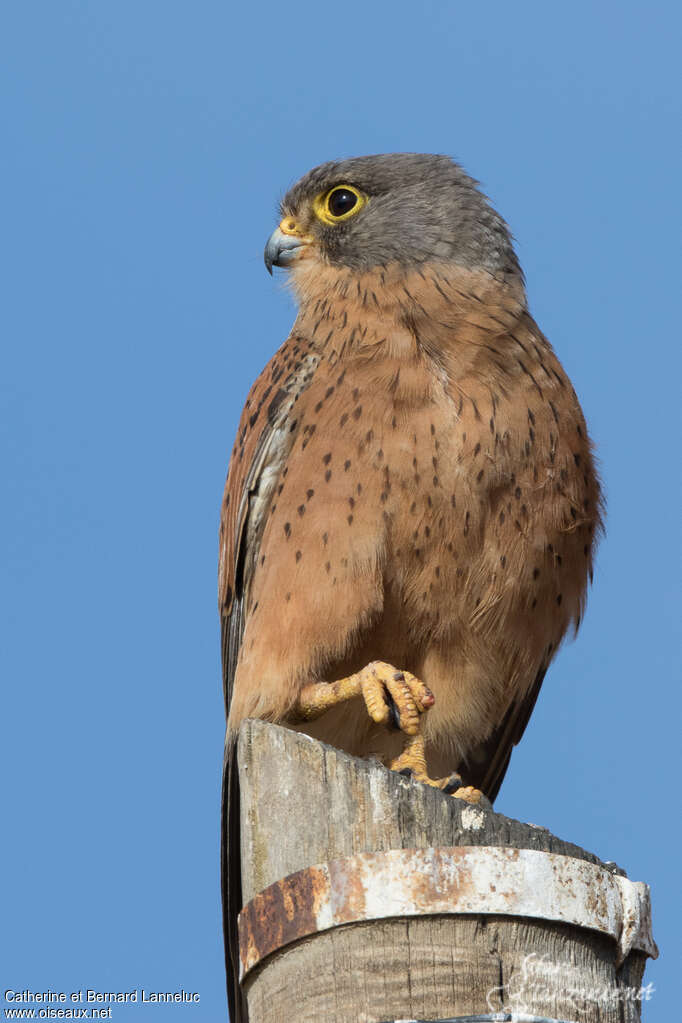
column 304, row 803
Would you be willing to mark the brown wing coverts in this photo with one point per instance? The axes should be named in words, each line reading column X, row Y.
column 266, row 411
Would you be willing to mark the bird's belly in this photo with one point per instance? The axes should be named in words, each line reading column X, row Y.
column 481, row 581
column 415, row 536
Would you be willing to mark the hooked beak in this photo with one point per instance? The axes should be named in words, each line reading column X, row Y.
column 284, row 244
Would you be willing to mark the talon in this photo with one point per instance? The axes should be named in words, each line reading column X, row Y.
column 452, row 784
column 390, row 695
column 469, row 794
column 411, row 762
column 401, row 696
column 405, row 705
column 393, row 712
column 374, row 696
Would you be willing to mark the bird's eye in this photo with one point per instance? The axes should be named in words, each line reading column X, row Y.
column 338, row 203
column 341, row 201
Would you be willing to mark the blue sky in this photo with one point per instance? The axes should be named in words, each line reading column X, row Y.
column 144, row 147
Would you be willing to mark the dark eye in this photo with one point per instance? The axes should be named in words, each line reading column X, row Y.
column 338, row 203
column 341, row 201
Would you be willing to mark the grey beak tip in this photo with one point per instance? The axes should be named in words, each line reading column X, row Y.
column 280, row 250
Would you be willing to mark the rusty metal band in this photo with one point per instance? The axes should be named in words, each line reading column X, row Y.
column 457, row 880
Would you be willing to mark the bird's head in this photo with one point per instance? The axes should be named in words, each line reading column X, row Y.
column 403, row 209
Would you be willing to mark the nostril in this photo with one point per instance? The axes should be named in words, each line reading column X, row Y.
column 289, row 226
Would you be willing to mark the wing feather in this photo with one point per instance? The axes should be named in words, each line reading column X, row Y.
column 489, row 764
column 263, row 441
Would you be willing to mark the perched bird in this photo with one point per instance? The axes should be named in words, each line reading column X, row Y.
column 411, row 507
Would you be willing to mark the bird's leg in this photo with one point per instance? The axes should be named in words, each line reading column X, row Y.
column 412, row 761
column 388, row 694
column 391, row 696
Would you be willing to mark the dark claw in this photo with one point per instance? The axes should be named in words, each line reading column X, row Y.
column 453, row 783
column 393, row 713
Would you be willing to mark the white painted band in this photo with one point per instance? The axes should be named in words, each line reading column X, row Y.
column 465, row 880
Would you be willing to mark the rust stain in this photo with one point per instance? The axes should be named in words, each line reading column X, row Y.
column 348, row 891
column 280, row 914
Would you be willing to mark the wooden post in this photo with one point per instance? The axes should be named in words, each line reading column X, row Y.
column 419, row 906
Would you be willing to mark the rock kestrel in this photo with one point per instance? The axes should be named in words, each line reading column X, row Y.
column 411, row 507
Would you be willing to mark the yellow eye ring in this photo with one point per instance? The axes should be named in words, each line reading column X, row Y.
column 339, row 203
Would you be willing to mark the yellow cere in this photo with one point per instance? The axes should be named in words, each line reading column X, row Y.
column 339, row 198
column 291, row 226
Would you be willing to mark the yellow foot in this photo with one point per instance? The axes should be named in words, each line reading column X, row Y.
column 389, row 695
column 386, row 691
column 412, row 761
column 470, row 795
